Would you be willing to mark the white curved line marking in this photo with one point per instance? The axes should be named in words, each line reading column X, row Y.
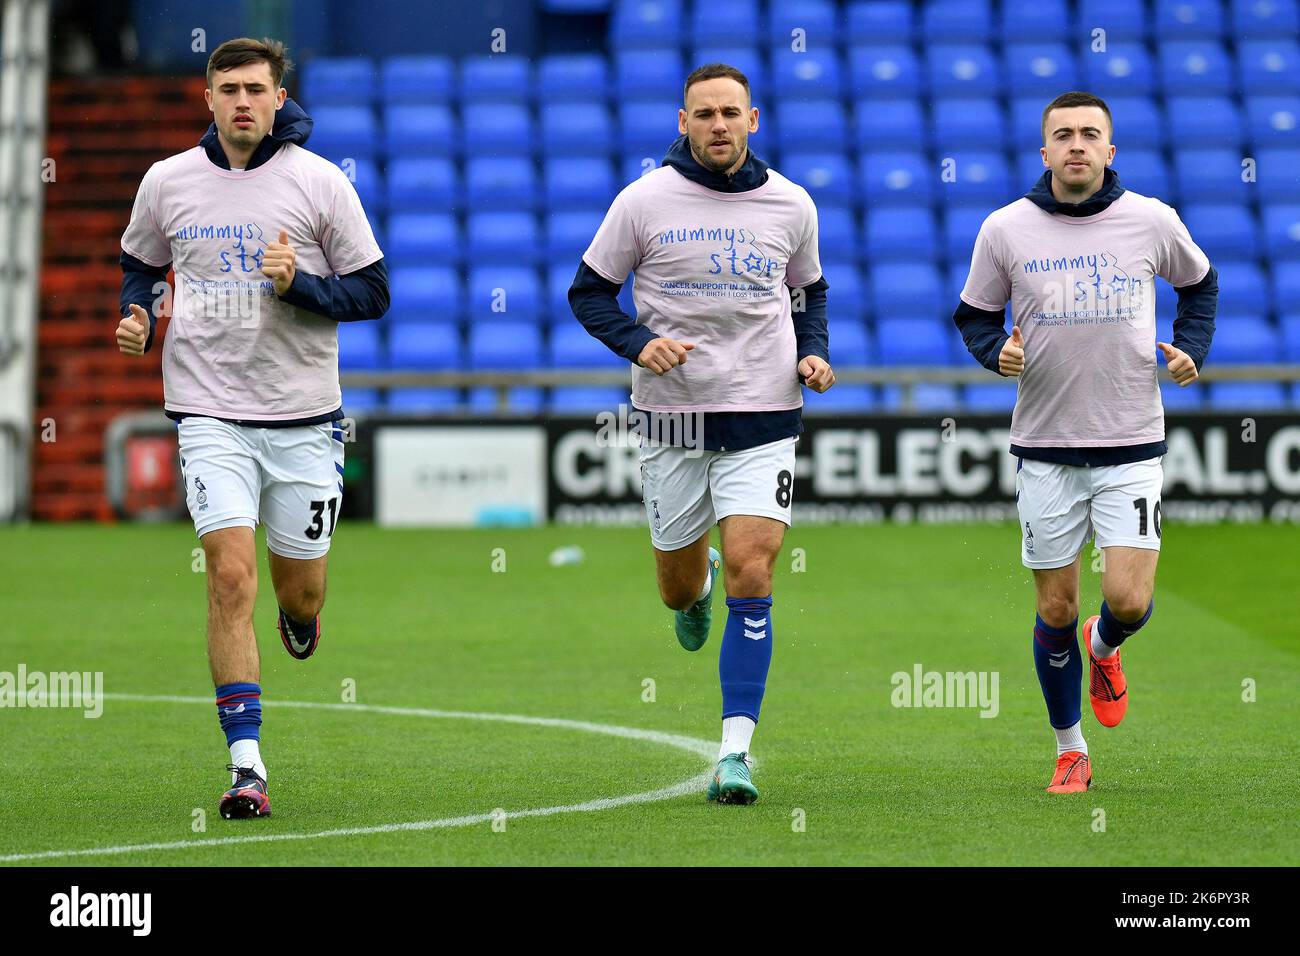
column 693, row 745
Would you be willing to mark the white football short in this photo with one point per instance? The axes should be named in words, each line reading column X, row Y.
column 687, row 494
column 289, row 479
column 1062, row 506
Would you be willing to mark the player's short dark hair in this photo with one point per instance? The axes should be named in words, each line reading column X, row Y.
column 244, row 50
column 713, row 71
column 1077, row 98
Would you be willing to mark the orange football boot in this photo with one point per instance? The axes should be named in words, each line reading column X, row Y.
column 1107, row 686
column 1073, row 773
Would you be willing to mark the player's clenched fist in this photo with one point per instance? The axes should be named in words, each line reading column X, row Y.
column 816, row 373
column 1011, row 360
column 1180, row 364
column 279, row 263
column 659, row 355
column 133, row 332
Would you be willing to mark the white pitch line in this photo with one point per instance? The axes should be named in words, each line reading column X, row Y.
column 693, row 745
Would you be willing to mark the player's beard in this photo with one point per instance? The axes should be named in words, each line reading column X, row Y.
column 702, row 157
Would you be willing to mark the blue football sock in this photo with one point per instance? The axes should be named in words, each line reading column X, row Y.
column 746, row 655
column 1060, row 671
column 1113, row 632
column 239, row 708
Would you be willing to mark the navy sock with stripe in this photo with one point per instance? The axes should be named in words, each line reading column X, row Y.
column 746, row 656
column 1059, row 663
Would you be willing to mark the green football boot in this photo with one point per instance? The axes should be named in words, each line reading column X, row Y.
column 731, row 782
column 692, row 625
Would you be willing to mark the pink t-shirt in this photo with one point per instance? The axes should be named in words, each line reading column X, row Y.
column 233, row 348
column 1082, row 290
column 711, row 268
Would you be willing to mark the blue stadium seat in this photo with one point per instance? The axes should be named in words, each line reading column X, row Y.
column 1179, row 399
column 1243, row 289
column 1042, row 20
column 1194, row 66
column 368, row 182
column 572, row 347
column 819, row 20
column 411, row 130
column 338, row 81
column 424, row 346
column 422, row 401
column 811, row 75
column 961, row 226
column 827, row 176
column 962, row 70
column 423, row 185
column 1123, row 20
column 1189, row 19
column 647, row 128
column 571, row 76
column 1245, row 339
column 881, row 125
column 500, row 183
column 508, row 294
column 840, row 400
column 520, row 400
column 1211, row 175
column 1282, row 231
column 990, row 397
column 879, row 21
column 359, row 346
column 1124, row 68
column 957, row 21
column 416, row 239
column 1253, row 20
column 1279, row 176
column 1041, row 69
column 1286, row 285
column 504, row 238
column 646, row 23
column 838, row 235
column 967, row 124
column 880, row 72
column 504, row 345
column 417, row 79
column 926, row 397
column 1291, row 337
column 360, row 401
column 906, row 289
column 1247, row 396
column 503, row 129
column 576, row 129
column 559, row 276
column 340, row 132
column 579, row 182
column 810, row 126
column 586, row 400
column 1222, row 230
column 912, row 341
column 1208, row 121
column 496, row 78
column 902, row 177
column 1026, row 128
column 901, row 232
column 1273, row 121
column 569, row 233
column 980, row 177
column 1269, row 66
column 1030, row 169
column 1138, row 122
column 847, row 298
column 1144, row 172
column 424, row 295
column 747, row 59
column 649, row 75
column 850, row 343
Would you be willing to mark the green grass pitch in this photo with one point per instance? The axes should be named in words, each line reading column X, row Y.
column 419, row 619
